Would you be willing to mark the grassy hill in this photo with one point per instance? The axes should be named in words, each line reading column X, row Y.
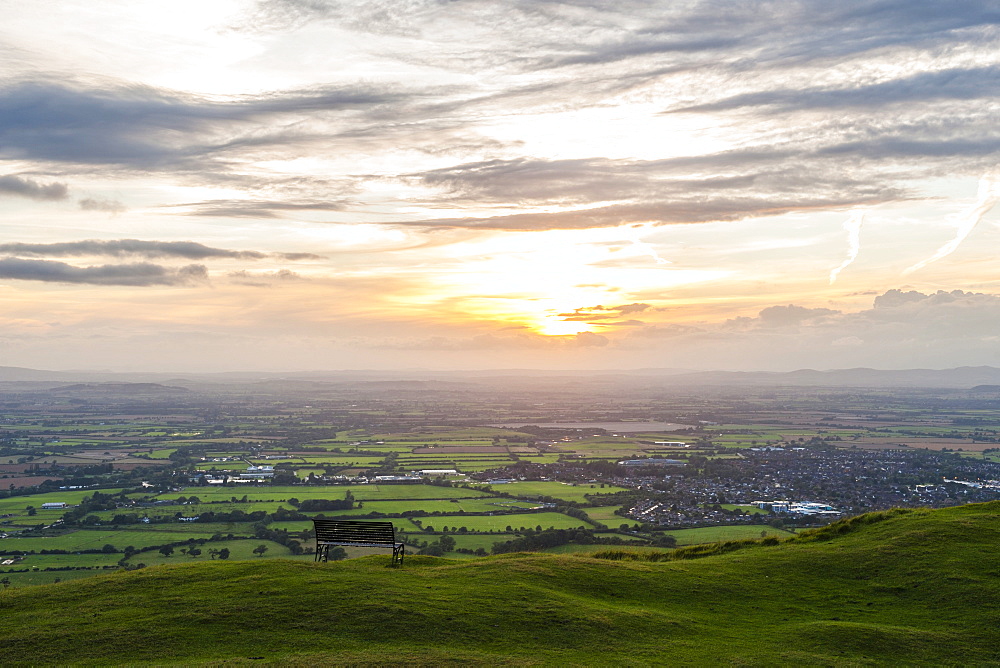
column 896, row 588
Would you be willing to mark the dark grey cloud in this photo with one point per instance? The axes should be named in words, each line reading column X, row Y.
column 26, row 187
column 755, row 182
column 189, row 250
column 951, row 84
column 758, row 32
column 145, row 127
column 136, row 274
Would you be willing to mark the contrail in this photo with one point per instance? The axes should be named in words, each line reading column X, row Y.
column 989, row 193
column 633, row 236
column 853, row 227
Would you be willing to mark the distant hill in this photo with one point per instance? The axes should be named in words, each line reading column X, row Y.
column 911, row 587
column 118, row 388
column 959, row 378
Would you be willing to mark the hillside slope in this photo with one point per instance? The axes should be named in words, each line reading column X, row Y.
column 911, row 587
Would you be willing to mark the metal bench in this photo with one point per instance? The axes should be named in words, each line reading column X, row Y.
column 352, row 533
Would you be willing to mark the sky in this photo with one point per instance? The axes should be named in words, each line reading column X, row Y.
column 286, row 185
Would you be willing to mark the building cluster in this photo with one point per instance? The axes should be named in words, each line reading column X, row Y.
column 828, row 483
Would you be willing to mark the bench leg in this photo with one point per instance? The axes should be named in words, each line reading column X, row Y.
column 322, row 552
column 397, row 555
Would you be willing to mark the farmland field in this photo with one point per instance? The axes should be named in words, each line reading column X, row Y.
column 723, row 533
column 557, row 490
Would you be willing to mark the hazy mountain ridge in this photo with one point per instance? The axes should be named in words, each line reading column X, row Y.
column 958, row 378
column 118, row 388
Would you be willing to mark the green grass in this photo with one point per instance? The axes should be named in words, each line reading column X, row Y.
column 913, row 588
column 716, row 534
column 573, row 548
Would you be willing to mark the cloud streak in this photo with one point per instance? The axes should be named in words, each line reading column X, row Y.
column 137, row 274
column 144, row 127
column 190, row 250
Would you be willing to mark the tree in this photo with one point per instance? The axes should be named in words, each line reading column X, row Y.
column 109, row 548
column 260, row 550
column 166, row 550
column 447, row 543
column 194, row 552
column 224, row 553
column 213, row 553
column 337, row 554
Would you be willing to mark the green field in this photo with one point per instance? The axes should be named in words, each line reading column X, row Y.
column 606, row 515
column 72, row 497
column 480, row 505
column 556, row 490
column 89, row 565
column 717, row 534
column 360, row 492
column 95, row 539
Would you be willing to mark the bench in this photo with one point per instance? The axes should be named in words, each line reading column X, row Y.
column 352, row 533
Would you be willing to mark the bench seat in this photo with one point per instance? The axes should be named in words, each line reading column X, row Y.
column 355, row 533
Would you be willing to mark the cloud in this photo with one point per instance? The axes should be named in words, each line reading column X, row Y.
column 263, row 279
column 950, row 84
column 631, row 308
column 190, row 250
column 257, row 208
column 145, row 127
column 761, row 33
column 599, row 192
column 902, row 329
column 520, row 341
column 108, row 205
column 137, row 274
column 25, row 187
column 600, row 313
column 779, row 316
column 589, row 339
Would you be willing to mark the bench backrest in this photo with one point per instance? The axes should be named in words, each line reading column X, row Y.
column 353, row 531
